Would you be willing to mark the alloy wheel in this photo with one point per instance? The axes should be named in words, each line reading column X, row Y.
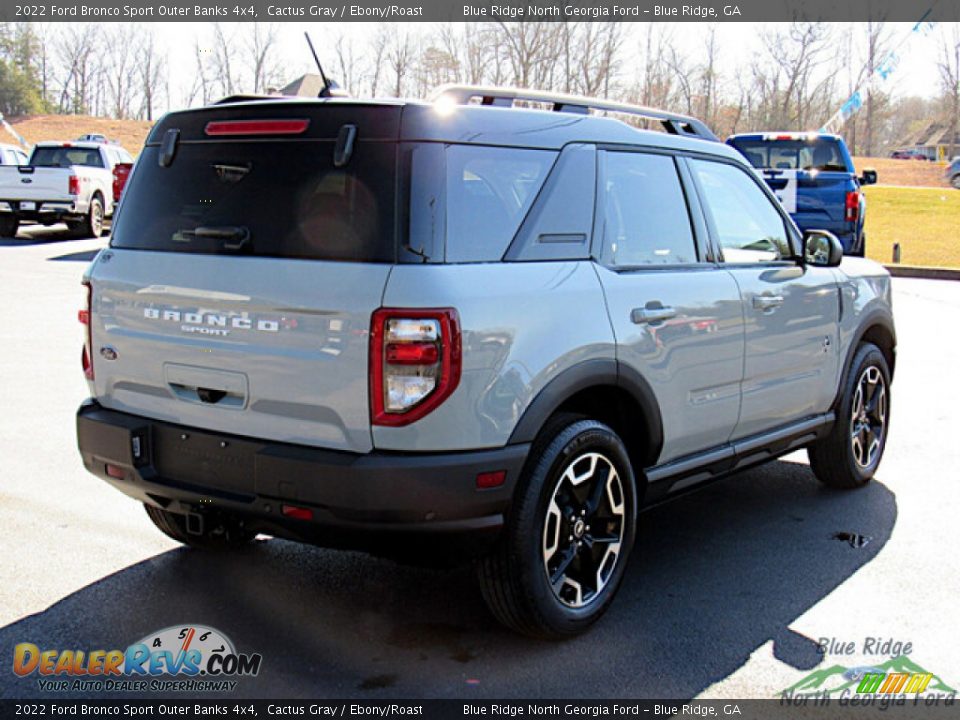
column 583, row 529
column 868, row 417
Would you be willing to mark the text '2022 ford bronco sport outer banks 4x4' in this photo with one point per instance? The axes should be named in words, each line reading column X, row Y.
column 466, row 325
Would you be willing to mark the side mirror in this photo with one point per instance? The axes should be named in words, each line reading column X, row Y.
column 821, row 248
column 869, row 177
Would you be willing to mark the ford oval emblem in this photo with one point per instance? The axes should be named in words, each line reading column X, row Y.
column 26, row 180
column 108, row 353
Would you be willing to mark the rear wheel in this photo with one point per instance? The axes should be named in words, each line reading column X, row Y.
column 861, row 250
column 9, row 226
column 220, row 533
column 955, row 181
column 849, row 456
column 92, row 224
column 561, row 559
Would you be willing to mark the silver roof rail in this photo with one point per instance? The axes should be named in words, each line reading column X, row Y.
column 506, row 96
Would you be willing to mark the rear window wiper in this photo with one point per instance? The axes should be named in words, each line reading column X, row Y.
column 234, row 236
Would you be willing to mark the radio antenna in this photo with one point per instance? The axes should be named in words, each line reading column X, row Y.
column 329, row 86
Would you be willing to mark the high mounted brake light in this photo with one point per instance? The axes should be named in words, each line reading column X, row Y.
column 256, row 127
column 414, row 363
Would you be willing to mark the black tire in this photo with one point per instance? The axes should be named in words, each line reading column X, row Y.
column 513, row 577
column 92, row 223
column 861, row 250
column 223, row 535
column 9, row 226
column 955, row 181
column 848, row 457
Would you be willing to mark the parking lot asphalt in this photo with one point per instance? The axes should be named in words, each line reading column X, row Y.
column 728, row 590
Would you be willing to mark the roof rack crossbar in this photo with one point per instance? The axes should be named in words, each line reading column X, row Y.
column 505, row 97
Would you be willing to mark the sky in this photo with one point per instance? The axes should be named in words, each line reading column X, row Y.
column 916, row 73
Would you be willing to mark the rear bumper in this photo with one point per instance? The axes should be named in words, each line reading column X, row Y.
column 367, row 501
column 42, row 210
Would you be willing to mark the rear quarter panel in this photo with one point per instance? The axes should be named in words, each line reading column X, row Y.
column 522, row 325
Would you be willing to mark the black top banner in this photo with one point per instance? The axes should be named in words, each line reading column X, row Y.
column 480, row 10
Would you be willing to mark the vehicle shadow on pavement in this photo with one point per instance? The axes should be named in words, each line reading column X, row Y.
column 715, row 575
column 42, row 235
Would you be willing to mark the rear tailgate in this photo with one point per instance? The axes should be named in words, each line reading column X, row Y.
column 811, row 196
column 242, row 274
column 25, row 182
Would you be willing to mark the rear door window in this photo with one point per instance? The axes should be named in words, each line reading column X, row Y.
column 646, row 220
column 273, row 198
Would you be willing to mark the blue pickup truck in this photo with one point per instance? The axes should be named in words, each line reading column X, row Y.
column 813, row 175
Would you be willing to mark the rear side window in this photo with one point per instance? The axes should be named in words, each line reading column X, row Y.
column 745, row 220
column 817, row 154
column 66, row 156
column 489, row 191
column 467, row 202
column 646, row 221
column 272, row 198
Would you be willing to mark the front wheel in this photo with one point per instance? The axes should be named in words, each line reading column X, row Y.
column 849, row 456
column 561, row 559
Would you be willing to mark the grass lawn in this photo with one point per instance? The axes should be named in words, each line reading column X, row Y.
column 925, row 221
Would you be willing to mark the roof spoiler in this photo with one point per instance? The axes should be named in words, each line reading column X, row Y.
column 673, row 123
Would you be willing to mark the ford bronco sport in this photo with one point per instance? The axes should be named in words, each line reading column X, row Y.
column 466, row 326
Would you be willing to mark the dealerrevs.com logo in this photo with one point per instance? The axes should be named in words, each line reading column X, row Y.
column 188, row 658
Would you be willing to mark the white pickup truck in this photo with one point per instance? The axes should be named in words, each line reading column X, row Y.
column 70, row 182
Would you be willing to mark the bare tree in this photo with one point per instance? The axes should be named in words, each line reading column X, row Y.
column 150, row 66
column 591, row 56
column 76, row 54
column 224, row 52
column 261, row 58
column 400, row 58
column 790, row 90
column 120, row 69
column 532, row 50
column 949, row 69
column 347, row 69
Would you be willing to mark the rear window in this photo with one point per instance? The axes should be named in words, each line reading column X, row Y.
column 66, row 156
column 816, row 154
column 272, row 198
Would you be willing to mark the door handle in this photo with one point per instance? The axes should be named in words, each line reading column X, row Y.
column 767, row 302
column 652, row 314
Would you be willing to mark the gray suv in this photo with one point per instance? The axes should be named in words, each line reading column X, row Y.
column 492, row 327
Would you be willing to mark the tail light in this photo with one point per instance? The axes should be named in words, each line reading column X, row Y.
column 852, row 206
column 121, row 172
column 84, row 317
column 73, row 185
column 414, row 363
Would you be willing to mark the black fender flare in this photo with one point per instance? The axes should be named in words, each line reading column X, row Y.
column 875, row 317
column 591, row 373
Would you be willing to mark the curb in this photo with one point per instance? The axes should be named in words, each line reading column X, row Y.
column 925, row 273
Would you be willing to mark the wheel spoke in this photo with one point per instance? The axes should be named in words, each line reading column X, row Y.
column 560, row 573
